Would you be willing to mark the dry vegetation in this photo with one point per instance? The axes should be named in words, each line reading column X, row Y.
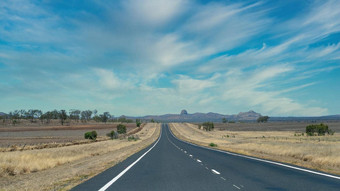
column 321, row 153
column 53, row 162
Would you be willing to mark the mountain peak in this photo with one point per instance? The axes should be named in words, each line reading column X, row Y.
column 184, row 112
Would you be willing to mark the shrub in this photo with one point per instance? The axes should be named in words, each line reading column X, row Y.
column 121, row 129
column 112, row 135
column 213, row 145
column 262, row 119
column 208, row 126
column 133, row 138
column 91, row 135
column 320, row 129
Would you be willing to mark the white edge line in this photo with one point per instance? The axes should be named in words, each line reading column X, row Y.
column 107, row 185
column 262, row 160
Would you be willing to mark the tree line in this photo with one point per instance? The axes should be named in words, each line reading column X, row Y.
column 35, row 116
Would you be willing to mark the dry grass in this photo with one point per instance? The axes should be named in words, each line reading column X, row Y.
column 21, row 162
column 321, row 153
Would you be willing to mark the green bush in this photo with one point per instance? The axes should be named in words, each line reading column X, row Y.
column 213, row 145
column 112, row 135
column 133, row 138
column 121, row 129
column 320, row 129
column 208, row 126
column 91, row 135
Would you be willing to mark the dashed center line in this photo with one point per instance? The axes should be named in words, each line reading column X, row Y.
column 198, row 160
column 215, row 171
column 223, row 178
column 236, row 186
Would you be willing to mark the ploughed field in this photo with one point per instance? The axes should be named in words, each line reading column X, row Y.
column 33, row 135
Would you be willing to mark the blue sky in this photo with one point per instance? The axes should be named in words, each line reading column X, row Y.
column 279, row 58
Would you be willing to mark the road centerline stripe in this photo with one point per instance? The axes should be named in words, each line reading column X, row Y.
column 215, row 171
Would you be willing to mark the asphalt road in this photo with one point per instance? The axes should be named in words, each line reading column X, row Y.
column 171, row 164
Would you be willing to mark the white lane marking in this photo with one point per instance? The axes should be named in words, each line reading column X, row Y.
column 190, row 155
column 198, row 160
column 223, row 178
column 207, row 168
column 185, row 152
column 215, row 171
column 262, row 160
column 107, row 185
column 236, row 186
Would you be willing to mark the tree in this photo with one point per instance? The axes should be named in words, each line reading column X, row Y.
column 152, row 120
column 208, row 126
column 121, row 129
column 75, row 114
column 86, row 115
column 262, row 119
column 105, row 116
column 224, row 120
column 62, row 116
column 138, row 122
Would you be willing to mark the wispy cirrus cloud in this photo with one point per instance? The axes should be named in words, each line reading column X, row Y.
column 162, row 56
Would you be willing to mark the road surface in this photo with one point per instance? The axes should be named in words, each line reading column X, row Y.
column 171, row 164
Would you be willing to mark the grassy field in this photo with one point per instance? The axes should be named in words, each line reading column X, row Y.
column 16, row 167
column 319, row 152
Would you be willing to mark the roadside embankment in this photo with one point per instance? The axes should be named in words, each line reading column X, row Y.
column 64, row 167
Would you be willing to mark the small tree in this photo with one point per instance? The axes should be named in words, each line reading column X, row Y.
column 62, row 116
column 224, row 120
column 262, row 119
column 105, row 116
column 91, row 135
column 208, row 126
column 112, row 135
column 138, row 122
column 121, row 129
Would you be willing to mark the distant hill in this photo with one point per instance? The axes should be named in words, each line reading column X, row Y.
column 2, row 114
column 249, row 116
column 184, row 116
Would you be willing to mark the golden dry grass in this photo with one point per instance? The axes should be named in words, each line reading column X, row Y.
column 21, row 162
column 321, row 153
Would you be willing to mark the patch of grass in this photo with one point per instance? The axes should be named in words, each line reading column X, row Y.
column 213, row 145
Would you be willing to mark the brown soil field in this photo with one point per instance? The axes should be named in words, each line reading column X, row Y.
column 273, row 126
column 64, row 167
column 32, row 135
column 316, row 152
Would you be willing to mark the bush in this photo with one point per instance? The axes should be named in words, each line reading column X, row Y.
column 320, row 129
column 212, row 145
column 262, row 119
column 112, row 135
column 208, row 126
column 121, row 129
column 133, row 138
column 91, row 135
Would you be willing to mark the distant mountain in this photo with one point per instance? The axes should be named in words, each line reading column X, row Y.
column 320, row 118
column 184, row 116
column 2, row 114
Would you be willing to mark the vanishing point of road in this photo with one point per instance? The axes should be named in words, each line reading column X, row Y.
column 171, row 164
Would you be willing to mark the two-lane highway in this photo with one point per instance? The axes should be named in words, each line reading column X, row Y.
column 171, row 164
